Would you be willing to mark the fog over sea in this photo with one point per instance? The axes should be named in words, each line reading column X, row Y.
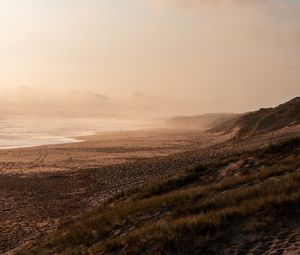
column 27, row 132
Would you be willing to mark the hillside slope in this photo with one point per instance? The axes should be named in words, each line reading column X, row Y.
column 201, row 122
column 264, row 120
column 240, row 204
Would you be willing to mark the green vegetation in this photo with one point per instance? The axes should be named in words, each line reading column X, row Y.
column 197, row 211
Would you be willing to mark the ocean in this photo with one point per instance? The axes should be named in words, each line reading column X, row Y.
column 27, row 132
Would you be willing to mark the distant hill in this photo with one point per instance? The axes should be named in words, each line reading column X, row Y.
column 263, row 121
column 203, row 122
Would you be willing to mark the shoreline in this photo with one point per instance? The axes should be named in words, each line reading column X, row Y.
column 43, row 187
column 80, row 138
column 39, row 145
column 100, row 149
column 29, row 132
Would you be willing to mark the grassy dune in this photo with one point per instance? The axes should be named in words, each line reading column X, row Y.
column 220, row 208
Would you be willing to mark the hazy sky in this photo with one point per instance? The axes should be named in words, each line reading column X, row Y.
column 156, row 57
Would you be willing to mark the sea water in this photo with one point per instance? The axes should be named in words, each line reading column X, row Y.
column 27, row 132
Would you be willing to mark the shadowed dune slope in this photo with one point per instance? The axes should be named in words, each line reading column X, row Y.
column 263, row 121
column 245, row 203
column 202, row 122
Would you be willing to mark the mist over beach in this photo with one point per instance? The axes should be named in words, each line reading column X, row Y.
column 33, row 131
column 149, row 127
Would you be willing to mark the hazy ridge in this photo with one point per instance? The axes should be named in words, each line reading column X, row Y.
column 263, row 121
column 244, row 124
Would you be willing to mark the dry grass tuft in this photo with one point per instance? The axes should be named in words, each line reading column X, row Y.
column 187, row 214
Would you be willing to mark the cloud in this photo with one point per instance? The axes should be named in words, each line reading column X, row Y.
column 290, row 67
column 297, row 35
column 100, row 96
column 197, row 3
column 33, row 101
column 200, row 5
column 37, row 100
column 272, row 21
column 138, row 94
column 24, row 88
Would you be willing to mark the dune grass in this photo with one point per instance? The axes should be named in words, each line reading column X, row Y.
column 186, row 214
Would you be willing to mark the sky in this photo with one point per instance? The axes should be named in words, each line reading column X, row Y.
column 147, row 57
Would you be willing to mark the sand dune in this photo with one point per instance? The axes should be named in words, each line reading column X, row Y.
column 41, row 187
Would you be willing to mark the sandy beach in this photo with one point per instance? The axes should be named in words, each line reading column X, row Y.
column 150, row 127
column 42, row 187
column 99, row 150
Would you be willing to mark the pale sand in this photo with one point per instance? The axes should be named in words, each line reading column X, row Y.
column 100, row 150
column 43, row 186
